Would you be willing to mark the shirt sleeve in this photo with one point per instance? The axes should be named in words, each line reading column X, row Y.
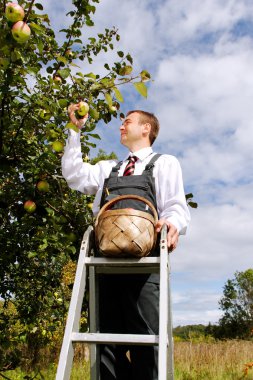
column 171, row 201
column 81, row 175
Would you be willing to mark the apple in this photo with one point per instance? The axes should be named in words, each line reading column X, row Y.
column 90, row 205
column 58, row 146
column 69, row 53
column 21, row 32
column 57, row 79
column 72, row 237
column 14, row 12
column 83, row 108
column 43, row 186
column 113, row 109
column 30, row 206
column 4, row 63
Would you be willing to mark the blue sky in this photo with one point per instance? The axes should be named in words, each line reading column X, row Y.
column 200, row 55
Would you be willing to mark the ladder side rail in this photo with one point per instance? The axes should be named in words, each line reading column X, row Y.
column 170, row 329
column 93, row 324
column 163, row 308
column 74, row 314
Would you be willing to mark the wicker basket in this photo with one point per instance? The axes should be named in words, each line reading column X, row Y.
column 125, row 232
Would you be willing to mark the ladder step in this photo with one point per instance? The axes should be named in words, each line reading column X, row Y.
column 145, row 261
column 115, row 338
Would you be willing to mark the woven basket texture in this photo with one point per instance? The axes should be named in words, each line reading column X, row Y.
column 125, row 232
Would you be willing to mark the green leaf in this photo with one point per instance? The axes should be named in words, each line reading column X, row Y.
column 74, row 64
column 145, row 76
column 141, row 88
column 31, row 255
column 39, row 6
column 64, row 73
column 108, row 99
column 60, row 58
column 94, row 135
column 189, row 195
column 37, row 28
column 90, row 75
column 193, row 204
column 40, row 46
column 72, row 126
column 63, row 102
column 125, row 70
column 89, row 22
column 94, row 114
column 129, row 58
column 120, row 54
column 118, row 94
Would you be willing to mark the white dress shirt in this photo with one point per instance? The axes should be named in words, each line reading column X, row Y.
column 89, row 179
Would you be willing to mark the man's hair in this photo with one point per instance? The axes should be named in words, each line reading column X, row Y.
column 147, row 117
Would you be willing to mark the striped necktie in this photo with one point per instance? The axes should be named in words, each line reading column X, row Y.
column 129, row 170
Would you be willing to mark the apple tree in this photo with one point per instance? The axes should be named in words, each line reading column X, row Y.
column 42, row 71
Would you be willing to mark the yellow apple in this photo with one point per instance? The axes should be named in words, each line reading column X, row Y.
column 83, row 108
column 43, row 186
column 58, row 146
column 14, row 12
column 21, row 32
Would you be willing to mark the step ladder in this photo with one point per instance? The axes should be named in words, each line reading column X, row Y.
column 94, row 265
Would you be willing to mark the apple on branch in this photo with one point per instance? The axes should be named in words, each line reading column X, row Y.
column 14, row 12
column 43, row 186
column 83, row 108
column 58, row 146
column 30, row 206
column 4, row 63
column 21, row 32
column 57, row 79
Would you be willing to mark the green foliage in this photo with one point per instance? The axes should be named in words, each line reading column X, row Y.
column 193, row 333
column 237, row 306
column 38, row 80
column 103, row 156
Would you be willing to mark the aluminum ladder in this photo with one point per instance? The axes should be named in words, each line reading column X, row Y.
column 109, row 265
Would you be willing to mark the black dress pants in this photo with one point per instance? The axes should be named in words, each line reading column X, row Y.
column 129, row 304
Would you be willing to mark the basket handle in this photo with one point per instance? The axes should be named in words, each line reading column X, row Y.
column 128, row 196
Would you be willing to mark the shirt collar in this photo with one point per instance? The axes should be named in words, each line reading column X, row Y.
column 141, row 154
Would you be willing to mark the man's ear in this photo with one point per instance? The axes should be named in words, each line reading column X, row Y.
column 146, row 128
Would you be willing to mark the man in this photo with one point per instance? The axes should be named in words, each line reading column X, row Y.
column 130, row 303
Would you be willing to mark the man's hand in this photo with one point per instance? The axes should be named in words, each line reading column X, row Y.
column 78, row 122
column 172, row 235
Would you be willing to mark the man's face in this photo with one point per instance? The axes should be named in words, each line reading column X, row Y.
column 131, row 132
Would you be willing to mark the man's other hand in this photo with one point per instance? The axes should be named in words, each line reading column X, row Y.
column 172, row 235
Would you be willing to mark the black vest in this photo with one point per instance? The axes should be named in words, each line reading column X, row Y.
column 142, row 185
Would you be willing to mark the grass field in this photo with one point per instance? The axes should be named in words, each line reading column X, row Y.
column 193, row 361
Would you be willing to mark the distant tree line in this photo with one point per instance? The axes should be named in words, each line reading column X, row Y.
column 237, row 307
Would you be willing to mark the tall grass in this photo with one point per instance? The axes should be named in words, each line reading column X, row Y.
column 193, row 361
column 213, row 361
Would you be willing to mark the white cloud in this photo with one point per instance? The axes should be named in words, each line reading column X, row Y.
column 195, row 307
column 187, row 20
